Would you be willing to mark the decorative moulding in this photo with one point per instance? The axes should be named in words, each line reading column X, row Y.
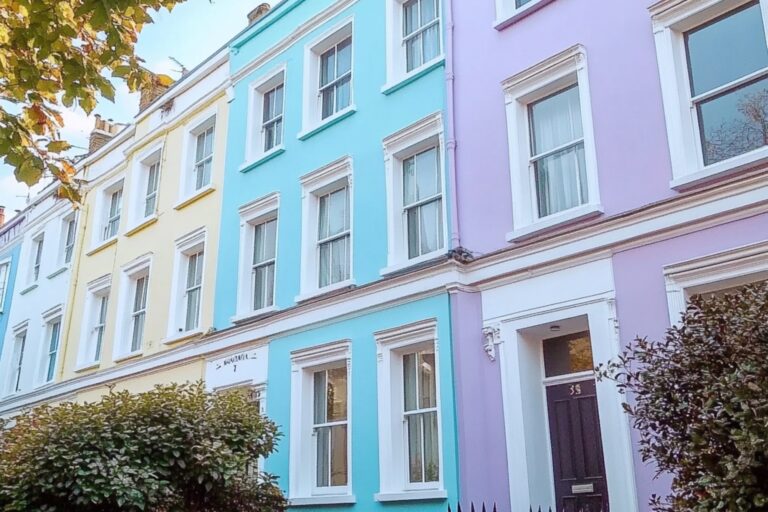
column 491, row 337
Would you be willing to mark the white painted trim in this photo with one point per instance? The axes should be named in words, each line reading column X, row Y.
column 391, row 345
column 141, row 266
column 254, row 146
column 99, row 217
column 189, row 243
column 507, row 12
column 302, row 473
column 202, row 121
column 671, row 18
column 556, row 73
column 252, row 214
column 404, row 143
column 95, row 289
column 734, row 267
column 139, row 176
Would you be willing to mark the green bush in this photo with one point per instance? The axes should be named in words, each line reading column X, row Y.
column 699, row 399
column 176, row 448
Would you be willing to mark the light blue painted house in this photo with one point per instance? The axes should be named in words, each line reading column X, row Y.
column 10, row 247
column 335, row 231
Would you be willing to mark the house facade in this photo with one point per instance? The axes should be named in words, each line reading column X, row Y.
column 10, row 247
column 335, row 193
column 37, row 268
column 614, row 172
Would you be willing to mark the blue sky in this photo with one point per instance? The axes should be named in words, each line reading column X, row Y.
column 192, row 32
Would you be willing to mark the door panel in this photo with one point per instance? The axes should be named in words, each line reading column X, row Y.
column 577, row 451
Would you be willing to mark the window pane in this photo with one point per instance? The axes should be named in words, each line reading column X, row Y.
column 323, row 456
column 520, row 3
column 264, row 286
column 568, row 354
column 413, row 55
column 325, row 265
column 339, row 455
column 337, row 394
column 431, row 227
column 431, row 39
column 278, row 109
column 431, row 448
column 328, row 67
column 343, row 93
column 209, row 142
column 734, row 123
column 329, row 96
column 427, row 383
column 193, row 309
column 138, row 332
column 428, row 11
column 726, row 50
column 421, row 177
column 340, row 260
column 561, row 181
column 556, row 120
column 410, row 17
column 410, row 386
column 344, row 57
column 334, row 217
column 415, row 449
column 414, row 232
column 320, row 408
column 200, row 147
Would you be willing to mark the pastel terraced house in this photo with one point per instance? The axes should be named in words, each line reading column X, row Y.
column 10, row 247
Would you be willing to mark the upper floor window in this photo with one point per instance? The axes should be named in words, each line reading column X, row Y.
column 133, row 307
column 145, row 184
column 552, row 156
column 199, row 154
column 5, row 271
column 266, row 123
column 329, row 427
column 186, row 303
column 258, row 256
column 329, row 68
column 509, row 11
column 112, row 217
column 327, row 228
column 138, row 312
column 94, row 321
column 423, row 202
column 415, row 188
column 68, row 230
column 420, row 416
column 150, row 197
column 17, row 361
column 421, row 32
column 203, row 158
column 37, row 257
column 715, row 104
column 54, row 335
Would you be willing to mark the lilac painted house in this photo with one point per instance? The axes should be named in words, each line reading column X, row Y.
column 610, row 161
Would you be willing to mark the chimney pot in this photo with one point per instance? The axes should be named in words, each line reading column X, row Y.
column 258, row 13
column 149, row 93
column 102, row 132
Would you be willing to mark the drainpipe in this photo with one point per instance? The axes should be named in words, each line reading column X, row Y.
column 449, row 121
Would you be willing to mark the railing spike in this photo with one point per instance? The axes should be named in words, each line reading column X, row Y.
column 472, row 506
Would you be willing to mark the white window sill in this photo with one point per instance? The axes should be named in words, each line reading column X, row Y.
column 28, row 289
column 327, row 123
column 198, row 194
column 556, row 220
column 242, row 317
column 262, row 158
column 426, row 494
column 721, row 169
column 397, row 267
column 182, row 336
column 401, row 81
column 326, row 289
column 148, row 221
column 506, row 19
column 87, row 366
column 102, row 245
column 331, row 499
column 58, row 272
column 126, row 357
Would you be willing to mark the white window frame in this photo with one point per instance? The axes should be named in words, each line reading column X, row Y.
column 304, row 362
column 5, row 278
column 51, row 317
column 187, row 183
column 252, row 214
column 313, row 185
column 507, row 11
column 391, row 346
column 66, row 246
column 96, row 290
column 399, row 146
column 254, row 144
column 36, row 258
column 713, row 272
column 312, row 107
column 140, row 179
column 671, row 19
column 16, row 360
column 397, row 65
column 130, row 273
column 186, row 246
column 550, row 76
column 102, row 212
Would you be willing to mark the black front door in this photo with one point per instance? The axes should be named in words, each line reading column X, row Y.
column 577, row 450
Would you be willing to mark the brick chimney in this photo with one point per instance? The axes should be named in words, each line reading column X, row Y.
column 103, row 131
column 2, row 215
column 258, row 13
column 150, row 93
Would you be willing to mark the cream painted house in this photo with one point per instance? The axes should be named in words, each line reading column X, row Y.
column 145, row 271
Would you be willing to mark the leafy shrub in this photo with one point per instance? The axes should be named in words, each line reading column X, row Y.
column 176, row 448
column 700, row 401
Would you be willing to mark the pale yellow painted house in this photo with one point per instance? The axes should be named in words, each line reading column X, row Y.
column 145, row 274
